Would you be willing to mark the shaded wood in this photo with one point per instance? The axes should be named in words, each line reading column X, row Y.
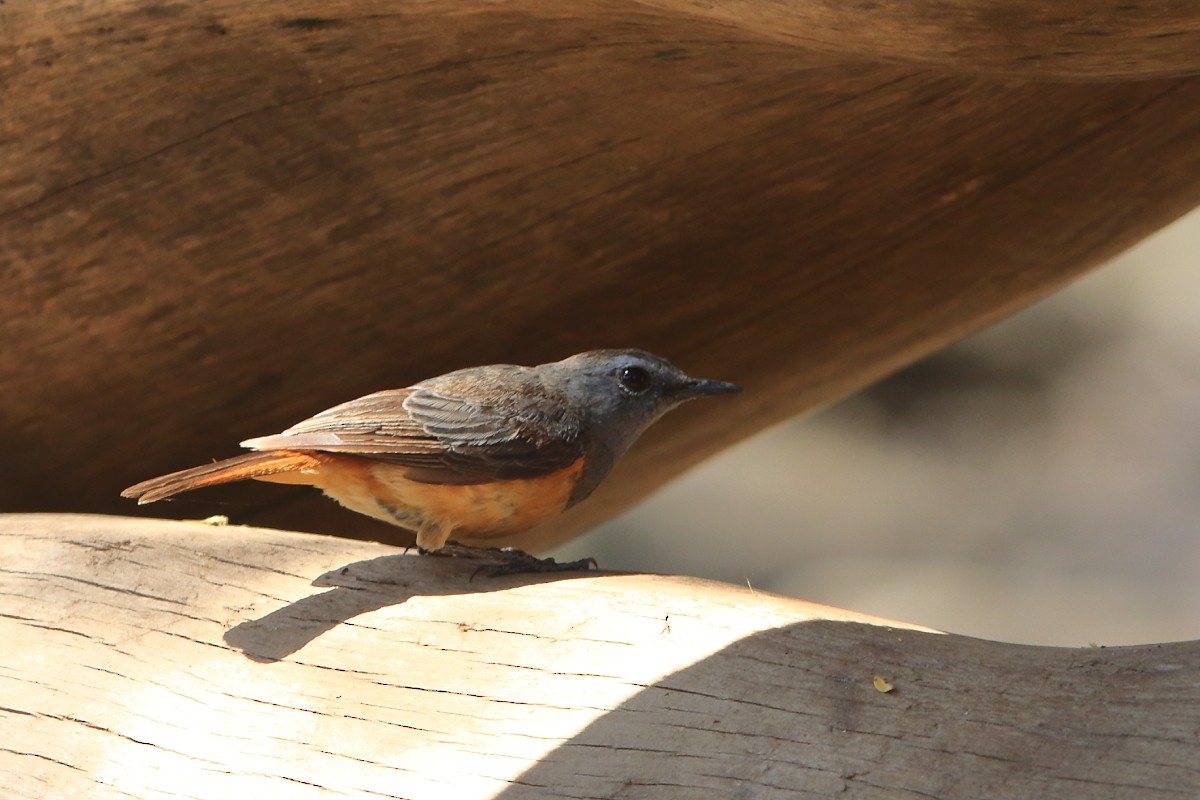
column 217, row 218
column 174, row 659
column 1082, row 40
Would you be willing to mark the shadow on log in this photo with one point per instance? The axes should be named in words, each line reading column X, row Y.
column 175, row 659
column 219, row 218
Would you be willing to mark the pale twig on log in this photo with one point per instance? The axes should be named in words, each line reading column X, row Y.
column 153, row 659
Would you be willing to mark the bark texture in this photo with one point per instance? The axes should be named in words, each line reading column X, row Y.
column 156, row 659
column 217, row 218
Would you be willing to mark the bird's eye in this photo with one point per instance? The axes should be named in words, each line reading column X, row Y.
column 634, row 379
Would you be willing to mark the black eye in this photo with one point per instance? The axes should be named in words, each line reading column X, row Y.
column 634, row 379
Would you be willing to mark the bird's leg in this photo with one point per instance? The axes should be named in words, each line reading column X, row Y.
column 510, row 560
column 458, row 550
column 433, row 540
column 516, row 562
column 432, row 536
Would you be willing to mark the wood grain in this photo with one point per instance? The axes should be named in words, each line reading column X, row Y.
column 1082, row 40
column 217, row 218
column 157, row 659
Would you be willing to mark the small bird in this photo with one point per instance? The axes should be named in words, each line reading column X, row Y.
column 479, row 453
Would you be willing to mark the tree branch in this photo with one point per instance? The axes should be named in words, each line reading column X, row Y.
column 219, row 219
column 175, row 659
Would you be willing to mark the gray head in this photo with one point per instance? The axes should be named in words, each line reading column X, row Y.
column 619, row 394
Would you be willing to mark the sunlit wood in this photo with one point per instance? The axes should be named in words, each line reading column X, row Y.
column 155, row 659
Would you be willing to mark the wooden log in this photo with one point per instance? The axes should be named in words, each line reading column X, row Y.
column 1082, row 40
column 154, row 659
column 217, row 218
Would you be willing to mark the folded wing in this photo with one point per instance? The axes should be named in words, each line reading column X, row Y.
column 444, row 438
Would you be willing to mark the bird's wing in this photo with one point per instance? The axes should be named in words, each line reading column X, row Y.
column 443, row 437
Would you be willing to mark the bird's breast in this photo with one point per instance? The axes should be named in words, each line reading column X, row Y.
column 471, row 511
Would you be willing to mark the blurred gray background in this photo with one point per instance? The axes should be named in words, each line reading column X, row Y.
column 1038, row 482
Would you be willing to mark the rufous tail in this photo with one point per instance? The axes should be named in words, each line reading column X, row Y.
column 238, row 468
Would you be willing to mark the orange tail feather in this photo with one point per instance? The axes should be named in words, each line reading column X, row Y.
column 238, row 468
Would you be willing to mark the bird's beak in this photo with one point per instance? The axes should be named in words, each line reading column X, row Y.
column 701, row 388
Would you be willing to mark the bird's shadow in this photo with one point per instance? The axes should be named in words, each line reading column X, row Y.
column 362, row 587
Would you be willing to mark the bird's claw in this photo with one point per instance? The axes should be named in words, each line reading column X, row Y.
column 507, row 560
column 519, row 562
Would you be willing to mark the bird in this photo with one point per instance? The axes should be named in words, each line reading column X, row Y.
column 481, row 453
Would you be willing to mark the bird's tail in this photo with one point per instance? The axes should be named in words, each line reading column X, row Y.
column 238, row 468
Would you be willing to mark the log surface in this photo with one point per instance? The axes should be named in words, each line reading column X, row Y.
column 217, row 217
column 148, row 659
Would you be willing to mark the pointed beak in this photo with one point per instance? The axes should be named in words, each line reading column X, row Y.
column 701, row 388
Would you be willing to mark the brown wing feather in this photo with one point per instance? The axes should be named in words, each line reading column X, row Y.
column 468, row 427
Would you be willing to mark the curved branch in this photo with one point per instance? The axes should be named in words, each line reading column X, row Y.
column 218, row 219
column 1081, row 40
column 164, row 659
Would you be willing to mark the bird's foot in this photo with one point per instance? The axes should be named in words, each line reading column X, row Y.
column 518, row 562
column 508, row 560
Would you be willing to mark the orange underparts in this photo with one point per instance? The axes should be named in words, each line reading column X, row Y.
column 437, row 512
